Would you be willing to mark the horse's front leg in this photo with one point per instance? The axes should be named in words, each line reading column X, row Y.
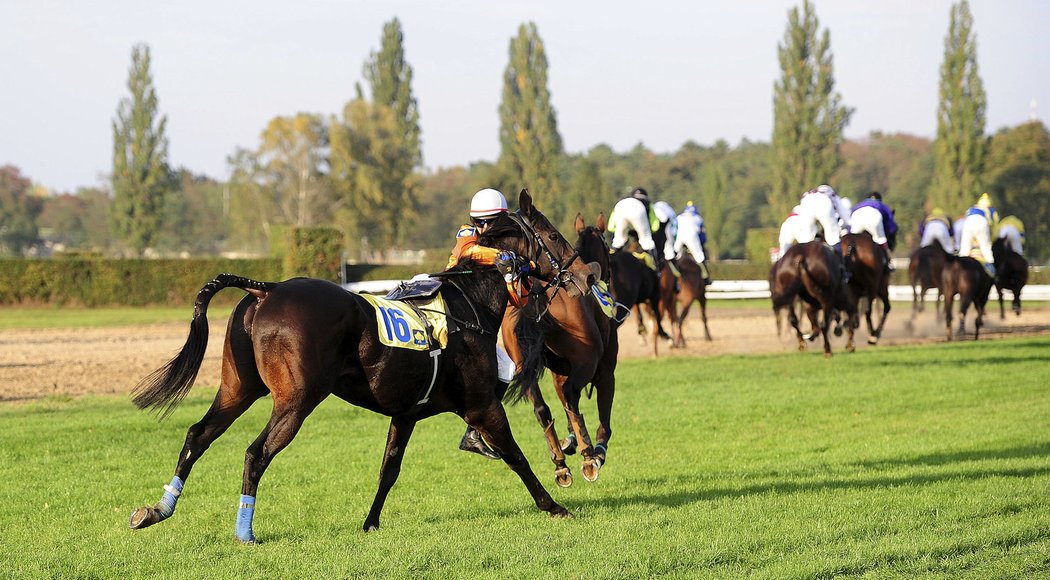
column 493, row 424
column 562, row 474
column 569, row 389
column 1002, row 306
column 396, row 441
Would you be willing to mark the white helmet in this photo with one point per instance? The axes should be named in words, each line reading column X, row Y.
column 487, row 203
column 826, row 190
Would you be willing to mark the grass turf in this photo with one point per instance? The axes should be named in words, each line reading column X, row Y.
column 904, row 461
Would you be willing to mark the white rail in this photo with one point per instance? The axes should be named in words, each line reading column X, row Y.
column 736, row 289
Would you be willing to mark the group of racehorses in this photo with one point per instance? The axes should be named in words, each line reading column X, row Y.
column 303, row 339
column 830, row 285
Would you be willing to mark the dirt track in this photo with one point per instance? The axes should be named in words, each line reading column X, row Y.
column 38, row 362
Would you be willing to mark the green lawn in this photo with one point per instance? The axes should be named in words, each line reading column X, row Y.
column 904, row 461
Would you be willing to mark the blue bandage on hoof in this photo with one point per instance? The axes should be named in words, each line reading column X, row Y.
column 245, row 513
column 166, row 506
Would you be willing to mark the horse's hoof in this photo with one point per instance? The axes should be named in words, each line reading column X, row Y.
column 590, row 469
column 563, row 477
column 873, row 340
column 827, row 355
column 249, row 541
column 370, row 527
column 559, row 512
column 808, row 336
column 568, row 445
column 838, row 331
column 144, row 517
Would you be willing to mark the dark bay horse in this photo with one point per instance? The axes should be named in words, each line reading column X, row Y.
column 581, row 345
column 1011, row 274
column 924, row 272
column 692, row 288
column 966, row 277
column 302, row 340
column 634, row 284
column 811, row 273
column 870, row 279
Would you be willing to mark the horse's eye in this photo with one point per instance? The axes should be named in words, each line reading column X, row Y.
column 555, row 237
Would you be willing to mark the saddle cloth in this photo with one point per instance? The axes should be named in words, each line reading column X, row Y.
column 400, row 326
column 605, row 300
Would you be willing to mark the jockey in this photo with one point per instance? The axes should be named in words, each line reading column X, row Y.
column 957, row 231
column 485, row 207
column 876, row 218
column 633, row 213
column 1012, row 230
column 691, row 236
column 981, row 220
column 665, row 214
column 796, row 228
column 937, row 227
column 822, row 205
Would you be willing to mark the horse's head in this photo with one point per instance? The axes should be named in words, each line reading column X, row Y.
column 557, row 263
column 590, row 244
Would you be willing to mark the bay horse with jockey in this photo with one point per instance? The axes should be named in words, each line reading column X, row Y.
column 868, row 263
column 303, row 339
column 810, row 273
column 966, row 277
column 1011, row 274
column 925, row 270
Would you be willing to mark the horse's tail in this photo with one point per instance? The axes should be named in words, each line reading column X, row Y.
column 165, row 387
column 530, row 335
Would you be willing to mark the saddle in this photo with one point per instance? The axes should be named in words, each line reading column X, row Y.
column 424, row 288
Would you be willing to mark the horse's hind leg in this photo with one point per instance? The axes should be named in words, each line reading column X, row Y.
column 493, row 424
column 703, row 316
column 285, row 421
column 396, row 441
column 240, row 387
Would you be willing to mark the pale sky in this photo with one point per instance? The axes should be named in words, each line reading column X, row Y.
column 660, row 73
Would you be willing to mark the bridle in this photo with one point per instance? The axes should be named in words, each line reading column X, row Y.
column 562, row 275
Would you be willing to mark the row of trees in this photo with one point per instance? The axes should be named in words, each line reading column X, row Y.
column 361, row 170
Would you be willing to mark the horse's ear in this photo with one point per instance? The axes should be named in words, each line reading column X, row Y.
column 525, row 202
column 600, row 224
column 580, row 226
column 596, row 268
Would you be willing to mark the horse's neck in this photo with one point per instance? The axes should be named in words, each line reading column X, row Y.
column 487, row 298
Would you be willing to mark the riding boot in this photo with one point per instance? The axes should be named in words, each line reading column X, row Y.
column 888, row 268
column 473, row 443
column 707, row 273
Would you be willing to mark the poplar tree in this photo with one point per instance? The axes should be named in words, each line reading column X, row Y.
column 959, row 149
column 808, row 115
column 390, row 78
column 141, row 175
column 530, row 146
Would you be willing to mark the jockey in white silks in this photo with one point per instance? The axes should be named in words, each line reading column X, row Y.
column 796, row 228
column 981, row 219
column 633, row 213
column 1011, row 229
column 937, row 229
column 957, row 232
column 692, row 236
column 669, row 222
column 822, row 205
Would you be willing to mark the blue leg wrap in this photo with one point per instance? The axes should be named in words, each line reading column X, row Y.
column 245, row 513
column 172, row 491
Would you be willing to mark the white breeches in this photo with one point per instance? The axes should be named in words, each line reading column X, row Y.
column 868, row 219
column 975, row 228
column 630, row 215
column 937, row 232
column 796, row 229
column 505, row 367
column 818, row 208
column 689, row 238
column 1012, row 236
column 669, row 242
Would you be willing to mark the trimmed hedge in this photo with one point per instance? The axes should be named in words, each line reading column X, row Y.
column 314, row 253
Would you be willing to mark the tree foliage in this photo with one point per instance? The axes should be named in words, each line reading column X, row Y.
column 1018, row 178
column 808, row 115
column 19, row 210
column 959, row 149
column 530, row 145
column 141, row 176
column 390, row 78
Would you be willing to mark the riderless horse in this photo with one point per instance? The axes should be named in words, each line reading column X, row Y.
column 303, row 339
column 581, row 345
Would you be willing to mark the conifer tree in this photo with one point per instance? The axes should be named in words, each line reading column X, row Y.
column 960, row 148
column 808, row 115
column 530, row 146
column 141, row 175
